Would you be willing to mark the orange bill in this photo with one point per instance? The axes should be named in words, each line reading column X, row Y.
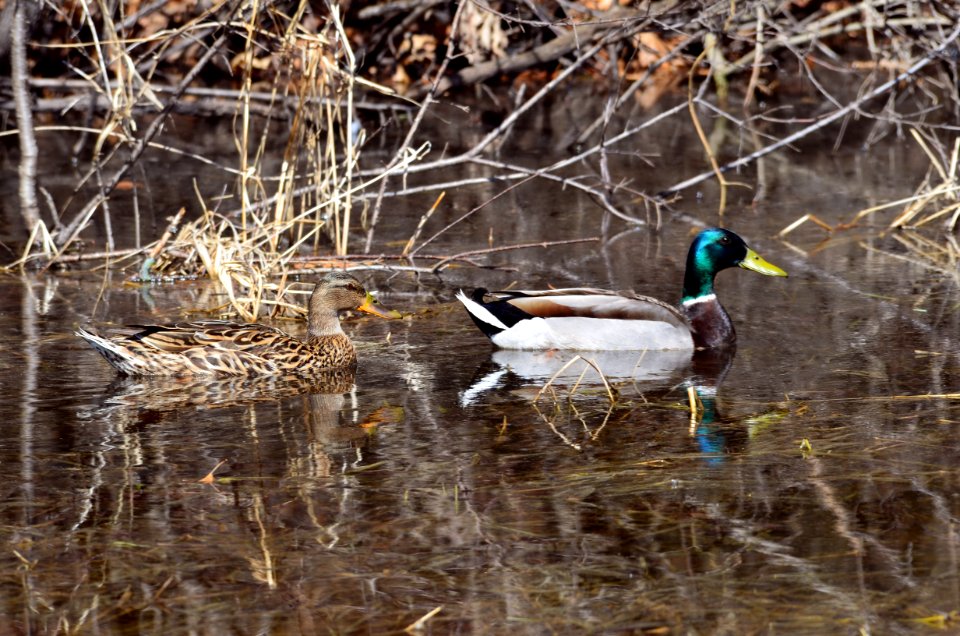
column 369, row 307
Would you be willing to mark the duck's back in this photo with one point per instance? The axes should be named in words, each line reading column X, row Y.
column 218, row 347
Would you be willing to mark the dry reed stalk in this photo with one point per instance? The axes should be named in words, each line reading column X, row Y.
column 423, row 221
column 812, row 218
column 243, row 142
column 936, row 198
column 315, row 181
column 696, row 408
column 311, row 195
column 314, row 188
column 418, row 625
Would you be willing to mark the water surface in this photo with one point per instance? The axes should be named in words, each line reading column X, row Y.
column 817, row 493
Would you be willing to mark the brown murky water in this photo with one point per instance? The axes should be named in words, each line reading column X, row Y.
column 815, row 495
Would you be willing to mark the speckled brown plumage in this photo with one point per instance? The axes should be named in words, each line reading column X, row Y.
column 214, row 347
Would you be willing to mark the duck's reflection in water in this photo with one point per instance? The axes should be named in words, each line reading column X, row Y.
column 646, row 372
column 239, row 417
column 177, row 393
column 715, row 435
column 646, row 369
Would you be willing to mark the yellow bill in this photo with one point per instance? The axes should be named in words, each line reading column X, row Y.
column 755, row 262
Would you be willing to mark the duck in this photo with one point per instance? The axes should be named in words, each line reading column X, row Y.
column 597, row 319
column 224, row 348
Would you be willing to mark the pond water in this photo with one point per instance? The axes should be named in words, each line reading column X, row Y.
column 818, row 493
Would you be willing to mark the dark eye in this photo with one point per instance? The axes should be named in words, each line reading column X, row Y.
column 724, row 240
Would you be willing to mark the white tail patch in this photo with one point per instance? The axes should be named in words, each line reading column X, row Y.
column 103, row 344
column 480, row 312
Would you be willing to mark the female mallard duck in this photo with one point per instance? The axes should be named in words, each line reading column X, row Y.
column 209, row 347
column 605, row 320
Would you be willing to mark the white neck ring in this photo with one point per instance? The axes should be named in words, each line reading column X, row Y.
column 699, row 299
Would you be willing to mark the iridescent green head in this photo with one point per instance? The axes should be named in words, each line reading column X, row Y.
column 716, row 249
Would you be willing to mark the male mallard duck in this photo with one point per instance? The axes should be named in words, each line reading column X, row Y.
column 228, row 348
column 596, row 319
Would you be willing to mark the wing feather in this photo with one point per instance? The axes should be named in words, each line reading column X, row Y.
column 592, row 303
column 183, row 337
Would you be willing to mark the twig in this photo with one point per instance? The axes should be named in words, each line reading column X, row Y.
column 552, row 50
column 96, row 256
column 423, row 221
column 606, row 385
column 172, row 228
column 371, row 268
column 429, row 99
column 376, row 261
column 467, row 214
column 812, row 33
column 553, row 427
column 757, row 59
column 229, row 95
column 419, row 624
column 73, row 228
column 829, row 119
column 396, row 6
column 677, row 51
column 545, row 173
column 549, row 86
column 508, row 248
column 132, row 20
column 472, row 156
column 691, row 106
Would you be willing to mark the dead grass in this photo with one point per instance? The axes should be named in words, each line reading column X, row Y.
column 924, row 223
column 302, row 67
